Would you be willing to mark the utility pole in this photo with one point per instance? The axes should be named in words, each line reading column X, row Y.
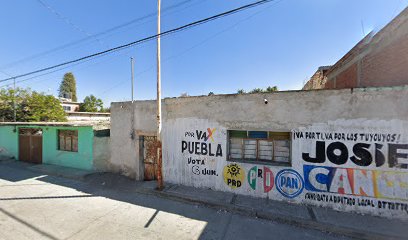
column 14, row 100
column 159, row 124
column 133, row 75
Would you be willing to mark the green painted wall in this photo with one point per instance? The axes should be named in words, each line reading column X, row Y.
column 8, row 142
column 83, row 159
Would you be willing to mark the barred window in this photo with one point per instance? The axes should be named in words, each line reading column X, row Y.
column 68, row 140
column 259, row 146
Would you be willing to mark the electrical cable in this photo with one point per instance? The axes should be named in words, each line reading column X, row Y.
column 97, row 35
column 192, row 47
column 165, row 33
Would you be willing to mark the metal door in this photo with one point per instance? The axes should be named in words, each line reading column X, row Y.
column 149, row 155
column 30, row 145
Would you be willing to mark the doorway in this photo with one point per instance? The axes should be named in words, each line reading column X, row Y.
column 30, row 145
column 148, row 147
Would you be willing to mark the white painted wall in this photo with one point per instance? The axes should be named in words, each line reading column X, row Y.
column 348, row 112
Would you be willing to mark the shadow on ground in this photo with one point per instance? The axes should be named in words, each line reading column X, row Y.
column 114, row 187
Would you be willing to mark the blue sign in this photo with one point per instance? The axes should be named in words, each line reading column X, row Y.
column 289, row 183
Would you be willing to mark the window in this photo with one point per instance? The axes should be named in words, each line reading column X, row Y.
column 68, row 140
column 66, row 108
column 271, row 147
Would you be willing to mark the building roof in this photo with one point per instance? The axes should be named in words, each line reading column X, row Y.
column 59, row 124
column 69, row 102
column 89, row 113
column 322, row 68
column 372, row 39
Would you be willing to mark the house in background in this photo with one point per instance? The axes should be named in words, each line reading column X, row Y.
column 77, row 145
column 68, row 105
column 74, row 115
column 378, row 60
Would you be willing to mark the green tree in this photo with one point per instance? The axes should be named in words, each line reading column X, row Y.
column 91, row 104
column 241, row 91
column 7, row 99
column 257, row 90
column 39, row 107
column 31, row 106
column 272, row 89
column 210, row 93
column 68, row 87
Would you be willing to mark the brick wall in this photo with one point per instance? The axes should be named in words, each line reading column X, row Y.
column 387, row 67
column 379, row 60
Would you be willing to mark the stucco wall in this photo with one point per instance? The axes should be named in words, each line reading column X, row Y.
column 81, row 159
column 342, row 117
column 125, row 123
column 8, row 142
column 101, row 153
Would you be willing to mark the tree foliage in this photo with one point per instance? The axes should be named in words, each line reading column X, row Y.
column 68, row 86
column 272, row 89
column 259, row 90
column 31, row 106
column 92, row 104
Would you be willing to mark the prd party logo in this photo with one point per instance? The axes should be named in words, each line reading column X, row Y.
column 289, row 183
column 234, row 175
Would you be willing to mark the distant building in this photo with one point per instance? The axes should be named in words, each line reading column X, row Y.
column 318, row 80
column 378, row 60
column 69, row 106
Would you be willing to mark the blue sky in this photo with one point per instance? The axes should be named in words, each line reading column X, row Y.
column 281, row 43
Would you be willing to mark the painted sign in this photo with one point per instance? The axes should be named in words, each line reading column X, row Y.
column 289, row 183
column 355, row 149
column 234, row 175
column 354, row 165
column 265, row 175
column 349, row 165
column 200, row 148
column 201, row 145
column 358, row 182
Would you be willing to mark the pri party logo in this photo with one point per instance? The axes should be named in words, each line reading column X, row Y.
column 234, row 175
column 263, row 175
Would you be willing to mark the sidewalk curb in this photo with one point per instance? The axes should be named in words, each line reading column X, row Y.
column 230, row 206
column 323, row 227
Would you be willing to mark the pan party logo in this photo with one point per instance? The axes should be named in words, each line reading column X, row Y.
column 234, row 175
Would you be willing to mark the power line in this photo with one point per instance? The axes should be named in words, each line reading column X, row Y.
column 193, row 47
column 68, row 21
column 66, row 67
column 97, row 35
column 168, row 32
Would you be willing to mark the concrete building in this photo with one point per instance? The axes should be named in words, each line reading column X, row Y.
column 344, row 149
column 88, row 116
column 378, row 60
column 69, row 106
column 82, row 146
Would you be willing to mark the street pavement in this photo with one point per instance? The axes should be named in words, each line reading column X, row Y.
column 34, row 205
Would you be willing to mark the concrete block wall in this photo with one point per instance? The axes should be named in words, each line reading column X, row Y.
column 374, row 119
